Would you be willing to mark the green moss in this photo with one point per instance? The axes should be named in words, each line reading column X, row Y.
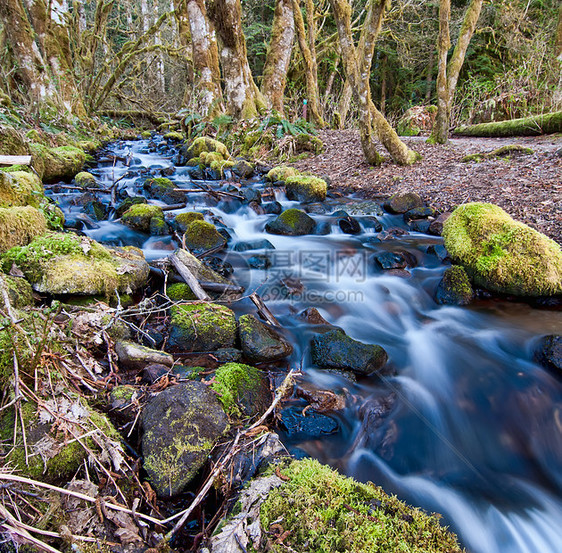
column 12, row 142
column 306, row 189
column 201, row 235
column 211, row 157
column 232, row 382
column 20, row 225
column 501, row 254
column 477, row 158
column 220, row 166
column 281, row 173
column 18, row 188
column 146, row 135
column 54, row 164
column 527, row 126
column 180, row 292
column 183, row 220
column 206, row 144
column 19, row 291
column 86, row 180
column 309, row 143
column 139, row 216
column 331, row 513
column 173, row 136
column 511, row 149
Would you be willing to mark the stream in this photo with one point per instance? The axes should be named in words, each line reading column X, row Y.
column 464, row 424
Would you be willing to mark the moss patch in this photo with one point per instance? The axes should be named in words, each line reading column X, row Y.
column 86, row 180
column 180, row 291
column 502, row 254
column 19, row 226
column 206, row 144
column 183, row 220
column 303, row 188
column 331, row 513
column 201, row 235
column 53, row 164
column 281, row 173
column 18, row 188
column 139, row 216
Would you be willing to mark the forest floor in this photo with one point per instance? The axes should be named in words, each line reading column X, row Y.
column 528, row 187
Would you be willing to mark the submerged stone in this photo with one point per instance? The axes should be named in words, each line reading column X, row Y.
column 308, row 426
column 254, row 245
column 260, row 342
column 390, row 260
column 181, row 426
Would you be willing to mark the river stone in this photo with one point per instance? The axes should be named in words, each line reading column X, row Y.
column 260, row 342
column 292, row 222
column 139, row 216
column 201, row 327
column 164, row 189
column 201, row 236
column 273, row 208
column 419, row 213
column 549, row 353
column 367, row 207
column 336, row 350
column 254, row 245
column 243, row 169
column 349, row 225
column 135, row 356
column 181, row 426
column 402, row 202
column 308, row 426
column 454, row 288
column 436, row 226
column 390, row 260
column 302, row 188
column 501, row 254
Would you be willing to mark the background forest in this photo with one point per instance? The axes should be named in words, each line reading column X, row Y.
column 108, row 57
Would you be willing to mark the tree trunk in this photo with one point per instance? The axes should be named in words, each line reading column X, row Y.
column 311, row 73
column 429, row 77
column 558, row 37
column 205, row 59
column 371, row 120
column 279, row 55
column 384, row 71
column 243, row 99
column 527, row 126
column 345, row 103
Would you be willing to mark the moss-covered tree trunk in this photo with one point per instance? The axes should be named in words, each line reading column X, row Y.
column 242, row 97
column 205, row 59
column 526, row 126
column 279, row 55
column 310, row 69
column 448, row 75
column 558, row 37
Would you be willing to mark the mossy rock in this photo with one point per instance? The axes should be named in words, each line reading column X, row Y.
column 12, row 142
column 260, row 342
column 164, row 189
column 308, row 143
column 511, row 150
column 242, row 390
column 476, row 158
column 206, row 144
column 173, row 136
column 181, row 426
column 19, row 291
column 331, row 513
column 59, row 263
column 19, row 226
column 180, row 291
column 139, row 216
column 183, row 220
column 402, row 202
column 454, row 288
column 54, row 164
column 86, row 180
column 281, row 173
column 19, row 188
column 501, row 254
column 127, row 203
column 201, row 327
column 201, row 236
column 302, row 188
column 292, row 222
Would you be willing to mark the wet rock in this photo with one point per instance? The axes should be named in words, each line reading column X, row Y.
column 260, row 342
column 127, row 203
column 367, row 208
column 419, row 225
column 158, row 227
column 402, row 273
column 392, row 233
column 390, row 260
column 310, row 426
column 139, row 217
column 436, row 226
column 549, row 353
column 121, row 400
column 181, row 426
column 201, row 327
column 372, row 223
column 228, row 355
column 260, row 262
column 315, row 209
column 135, row 356
column 292, row 222
column 243, row 169
column 419, row 213
column 201, row 236
column 280, row 174
column 168, row 171
column 303, row 188
column 439, row 251
column 256, row 208
column 164, row 189
column 312, row 316
column 183, row 220
column 454, row 288
column 86, row 180
column 349, row 225
column 336, row 350
column 318, row 399
column 403, row 202
column 273, row 208
column 254, row 245
column 251, row 195
column 219, row 266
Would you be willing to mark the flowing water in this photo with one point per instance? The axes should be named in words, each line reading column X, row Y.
column 465, row 424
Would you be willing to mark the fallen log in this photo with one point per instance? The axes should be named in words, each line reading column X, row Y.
column 15, row 160
column 527, row 126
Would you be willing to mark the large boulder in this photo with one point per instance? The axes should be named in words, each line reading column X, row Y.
column 292, row 222
column 201, row 236
column 501, row 254
column 260, row 342
column 58, row 263
column 164, row 189
column 54, row 164
column 201, row 327
column 302, row 188
column 19, row 188
column 336, row 350
column 143, row 217
column 19, row 226
column 202, row 145
column 181, row 426
column 281, row 173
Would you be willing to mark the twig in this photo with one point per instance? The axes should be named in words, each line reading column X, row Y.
column 263, row 310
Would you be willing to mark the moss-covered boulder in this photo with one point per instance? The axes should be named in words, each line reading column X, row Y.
column 128, row 203
column 336, row 350
column 54, row 164
column 19, row 188
column 20, row 293
column 260, row 342
column 402, row 202
column 201, row 236
column 281, row 173
column 181, row 425
column 302, row 188
column 501, row 254
column 292, row 222
column 305, row 142
column 164, row 189
column 201, row 327
column 331, row 513
column 183, row 220
column 86, row 180
column 454, row 288
column 139, row 217
column 19, row 226
column 242, row 390
column 59, row 263
column 12, row 142
column 174, row 136
column 199, row 146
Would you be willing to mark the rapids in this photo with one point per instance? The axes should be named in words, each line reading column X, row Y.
column 466, row 425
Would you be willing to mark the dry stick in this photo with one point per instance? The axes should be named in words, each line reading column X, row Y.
column 263, row 310
column 26, row 536
column 189, row 277
column 112, row 506
column 281, row 393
